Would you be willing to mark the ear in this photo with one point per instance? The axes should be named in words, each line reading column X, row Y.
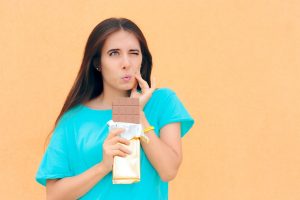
column 95, row 61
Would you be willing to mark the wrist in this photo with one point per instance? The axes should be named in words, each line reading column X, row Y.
column 143, row 120
column 102, row 168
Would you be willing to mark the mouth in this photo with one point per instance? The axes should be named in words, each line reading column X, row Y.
column 127, row 78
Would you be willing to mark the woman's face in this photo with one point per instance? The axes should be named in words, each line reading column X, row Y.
column 121, row 58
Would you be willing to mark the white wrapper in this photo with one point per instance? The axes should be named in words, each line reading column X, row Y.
column 126, row 170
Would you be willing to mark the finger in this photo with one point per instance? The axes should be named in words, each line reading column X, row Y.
column 143, row 84
column 118, row 153
column 116, row 140
column 136, row 85
column 121, row 147
column 140, row 79
column 115, row 132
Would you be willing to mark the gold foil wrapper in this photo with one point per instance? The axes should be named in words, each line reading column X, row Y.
column 126, row 170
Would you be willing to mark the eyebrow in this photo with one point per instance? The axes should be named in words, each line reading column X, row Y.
column 119, row 50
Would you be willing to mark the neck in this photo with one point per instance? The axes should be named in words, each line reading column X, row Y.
column 108, row 95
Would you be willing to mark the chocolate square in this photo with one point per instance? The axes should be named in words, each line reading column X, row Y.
column 126, row 109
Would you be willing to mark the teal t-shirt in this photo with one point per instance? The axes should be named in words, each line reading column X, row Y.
column 76, row 146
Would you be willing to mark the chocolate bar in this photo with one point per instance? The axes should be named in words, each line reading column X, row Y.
column 125, row 109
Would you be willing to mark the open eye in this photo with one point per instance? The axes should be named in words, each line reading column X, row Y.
column 114, row 53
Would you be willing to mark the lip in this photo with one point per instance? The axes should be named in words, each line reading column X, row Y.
column 127, row 77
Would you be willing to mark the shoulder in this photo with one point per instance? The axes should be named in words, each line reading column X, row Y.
column 163, row 92
column 160, row 97
column 69, row 116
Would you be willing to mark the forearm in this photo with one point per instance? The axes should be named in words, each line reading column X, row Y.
column 76, row 186
column 163, row 158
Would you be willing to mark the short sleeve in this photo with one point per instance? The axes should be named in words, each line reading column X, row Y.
column 55, row 162
column 172, row 110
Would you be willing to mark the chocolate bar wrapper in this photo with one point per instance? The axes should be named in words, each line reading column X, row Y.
column 126, row 170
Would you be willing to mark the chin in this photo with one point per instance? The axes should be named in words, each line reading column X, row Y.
column 126, row 87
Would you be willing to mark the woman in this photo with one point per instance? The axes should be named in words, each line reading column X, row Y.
column 79, row 158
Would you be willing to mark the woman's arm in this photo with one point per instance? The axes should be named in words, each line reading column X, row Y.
column 76, row 186
column 164, row 153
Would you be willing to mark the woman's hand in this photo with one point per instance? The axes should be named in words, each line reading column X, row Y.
column 114, row 146
column 146, row 90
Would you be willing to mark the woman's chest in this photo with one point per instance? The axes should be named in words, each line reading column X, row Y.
column 88, row 139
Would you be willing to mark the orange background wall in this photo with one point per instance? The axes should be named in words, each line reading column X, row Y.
column 234, row 64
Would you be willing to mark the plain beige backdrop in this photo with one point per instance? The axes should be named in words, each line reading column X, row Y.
column 234, row 64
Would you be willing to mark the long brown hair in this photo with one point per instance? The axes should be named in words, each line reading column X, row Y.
column 88, row 83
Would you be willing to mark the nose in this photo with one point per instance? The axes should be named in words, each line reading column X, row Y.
column 126, row 62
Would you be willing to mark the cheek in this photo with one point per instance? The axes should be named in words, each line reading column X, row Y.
column 109, row 75
column 108, row 62
column 137, row 69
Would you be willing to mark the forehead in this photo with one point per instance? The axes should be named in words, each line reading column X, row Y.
column 121, row 40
